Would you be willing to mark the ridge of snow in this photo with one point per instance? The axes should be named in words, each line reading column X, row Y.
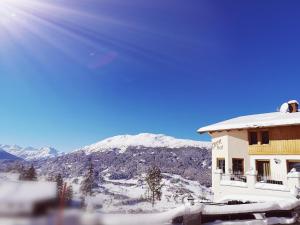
column 122, row 142
column 30, row 153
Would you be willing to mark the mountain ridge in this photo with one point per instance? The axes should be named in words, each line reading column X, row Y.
column 149, row 140
column 30, row 153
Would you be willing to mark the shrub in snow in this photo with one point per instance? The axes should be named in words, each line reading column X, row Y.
column 119, row 176
column 75, row 181
column 133, row 201
column 175, row 180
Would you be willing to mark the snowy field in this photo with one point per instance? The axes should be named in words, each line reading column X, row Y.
column 130, row 196
column 123, row 202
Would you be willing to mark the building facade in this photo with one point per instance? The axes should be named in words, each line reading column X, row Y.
column 257, row 154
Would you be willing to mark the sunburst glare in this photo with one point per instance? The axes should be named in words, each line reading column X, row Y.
column 69, row 29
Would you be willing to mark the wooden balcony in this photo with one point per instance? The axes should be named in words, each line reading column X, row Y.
column 276, row 147
column 283, row 141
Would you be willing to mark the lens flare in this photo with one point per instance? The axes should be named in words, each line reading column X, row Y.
column 76, row 30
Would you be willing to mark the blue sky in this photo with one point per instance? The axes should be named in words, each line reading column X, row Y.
column 74, row 72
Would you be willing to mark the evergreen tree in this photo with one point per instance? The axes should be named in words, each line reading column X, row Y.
column 22, row 173
column 153, row 180
column 28, row 175
column 31, row 174
column 69, row 193
column 88, row 183
column 59, row 184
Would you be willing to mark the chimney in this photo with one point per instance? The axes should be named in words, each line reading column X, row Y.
column 293, row 106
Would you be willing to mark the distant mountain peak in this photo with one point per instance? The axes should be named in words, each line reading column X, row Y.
column 123, row 142
column 49, row 150
column 30, row 153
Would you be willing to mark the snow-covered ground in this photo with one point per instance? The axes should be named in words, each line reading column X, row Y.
column 130, row 196
column 123, row 202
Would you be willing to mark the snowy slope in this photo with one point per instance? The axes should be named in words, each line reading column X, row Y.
column 122, row 142
column 30, row 153
column 7, row 156
column 130, row 195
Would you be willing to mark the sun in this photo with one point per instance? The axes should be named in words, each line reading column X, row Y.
column 23, row 17
column 68, row 28
column 11, row 11
column 7, row 11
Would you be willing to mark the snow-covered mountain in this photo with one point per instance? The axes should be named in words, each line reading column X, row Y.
column 125, row 157
column 30, row 153
column 7, row 156
column 143, row 140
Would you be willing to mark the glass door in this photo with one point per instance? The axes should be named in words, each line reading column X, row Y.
column 263, row 170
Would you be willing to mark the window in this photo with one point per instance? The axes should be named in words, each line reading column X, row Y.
column 264, row 137
column 238, row 166
column 253, row 138
column 293, row 165
column 221, row 164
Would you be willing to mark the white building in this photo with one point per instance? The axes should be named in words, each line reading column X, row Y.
column 257, row 154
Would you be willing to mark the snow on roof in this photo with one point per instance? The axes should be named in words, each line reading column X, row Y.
column 293, row 101
column 255, row 121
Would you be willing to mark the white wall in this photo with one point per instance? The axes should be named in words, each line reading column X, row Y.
column 238, row 147
column 234, row 145
column 219, row 150
column 228, row 145
column 278, row 170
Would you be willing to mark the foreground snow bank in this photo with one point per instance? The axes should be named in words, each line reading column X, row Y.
column 268, row 221
column 262, row 204
column 269, row 202
column 151, row 219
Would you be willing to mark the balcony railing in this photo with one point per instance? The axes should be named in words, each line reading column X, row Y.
column 238, row 177
column 268, row 180
column 274, row 179
column 235, row 177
